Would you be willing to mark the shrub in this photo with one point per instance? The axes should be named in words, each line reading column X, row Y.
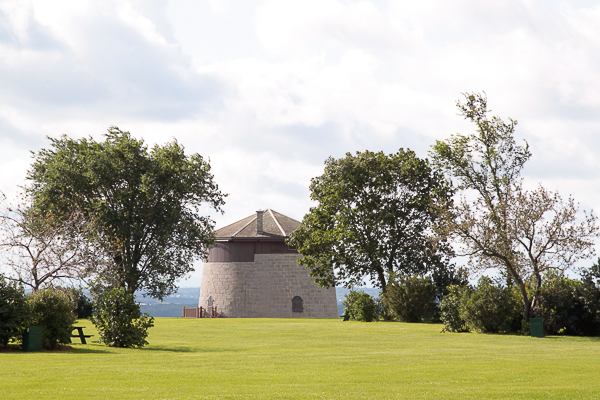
column 360, row 306
column 13, row 311
column 452, row 309
column 569, row 306
column 492, row 308
column 411, row 298
column 119, row 320
column 52, row 309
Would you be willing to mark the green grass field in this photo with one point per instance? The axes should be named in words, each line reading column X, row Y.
column 308, row 359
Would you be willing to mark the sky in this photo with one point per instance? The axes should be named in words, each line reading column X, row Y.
column 268, row 90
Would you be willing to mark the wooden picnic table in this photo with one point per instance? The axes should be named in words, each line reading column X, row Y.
column 80, row 334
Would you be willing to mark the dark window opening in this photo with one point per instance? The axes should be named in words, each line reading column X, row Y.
column 297, row 304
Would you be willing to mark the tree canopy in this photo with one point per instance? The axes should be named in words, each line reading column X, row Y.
column 501, row 225
column 374, row 216
column 146, row 203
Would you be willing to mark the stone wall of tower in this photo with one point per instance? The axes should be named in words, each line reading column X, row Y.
column 264, row 288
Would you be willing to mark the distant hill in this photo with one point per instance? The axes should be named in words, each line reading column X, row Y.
column 172, row 306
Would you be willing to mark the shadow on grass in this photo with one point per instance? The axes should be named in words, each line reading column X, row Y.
column 87, row 350
column 581, row 338
column 190, row 349
column 517, row 334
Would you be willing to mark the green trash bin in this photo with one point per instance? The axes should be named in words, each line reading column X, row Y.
column 32, row 338
column 537, row 327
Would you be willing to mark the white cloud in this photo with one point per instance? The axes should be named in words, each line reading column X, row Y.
column 269, row 89
column 143, row 25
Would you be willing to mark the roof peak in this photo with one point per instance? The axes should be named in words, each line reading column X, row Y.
column 265, row 223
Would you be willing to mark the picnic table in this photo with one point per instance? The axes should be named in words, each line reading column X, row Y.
column 80, row 334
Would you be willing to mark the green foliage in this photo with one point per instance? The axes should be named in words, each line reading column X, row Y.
column 492, row 308
column 83, row 305
column 383, row 309
column 13, row 311
column 411, row 298
column 52, row 309
column 373, row 215
column 360, row 306
column 444, row 275
column 489, row 307
column 569, row 306
column 119, row 321
column 452, row 309
column 146, row 204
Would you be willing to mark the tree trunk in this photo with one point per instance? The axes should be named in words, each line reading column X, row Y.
column 526, row 301
column 382, row 281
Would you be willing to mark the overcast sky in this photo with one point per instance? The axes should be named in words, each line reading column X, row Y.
column 269, row 89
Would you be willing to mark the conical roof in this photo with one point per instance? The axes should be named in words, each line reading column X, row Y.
column 274, row 225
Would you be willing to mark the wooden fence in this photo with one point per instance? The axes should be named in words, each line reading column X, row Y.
column 201, row 312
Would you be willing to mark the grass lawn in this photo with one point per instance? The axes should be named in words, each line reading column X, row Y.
column 308, row 359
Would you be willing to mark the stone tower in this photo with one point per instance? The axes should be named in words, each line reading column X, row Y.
column 252, row 273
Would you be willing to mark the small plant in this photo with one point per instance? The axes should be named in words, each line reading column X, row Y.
column 119, row 320
column 52, row 309
column 13, row 311
column 411, row 298
column 360, row 306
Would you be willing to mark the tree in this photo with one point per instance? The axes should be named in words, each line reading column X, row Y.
column 41, row 249
column 146, row 202
column 499, row 223
column 373, row 217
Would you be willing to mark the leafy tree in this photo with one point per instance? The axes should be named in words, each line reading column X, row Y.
column 360, row 306
column 373, row 217
column 499, row 224
column 147, row 204
column 119, row 320
column 52, row 308
column 13, row 311
column 41, row 249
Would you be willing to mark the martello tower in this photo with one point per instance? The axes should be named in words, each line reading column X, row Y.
column 252, row 273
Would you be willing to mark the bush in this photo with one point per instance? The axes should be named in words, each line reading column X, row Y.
column 492, row 308
column 411, row 298
column 569, row 306
column 52, row 309
column 119, row 320
column 13, row 311
column 360, row 306
column 487, row 308
column 452, row 309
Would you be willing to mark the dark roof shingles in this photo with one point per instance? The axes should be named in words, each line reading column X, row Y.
column 246, row 228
